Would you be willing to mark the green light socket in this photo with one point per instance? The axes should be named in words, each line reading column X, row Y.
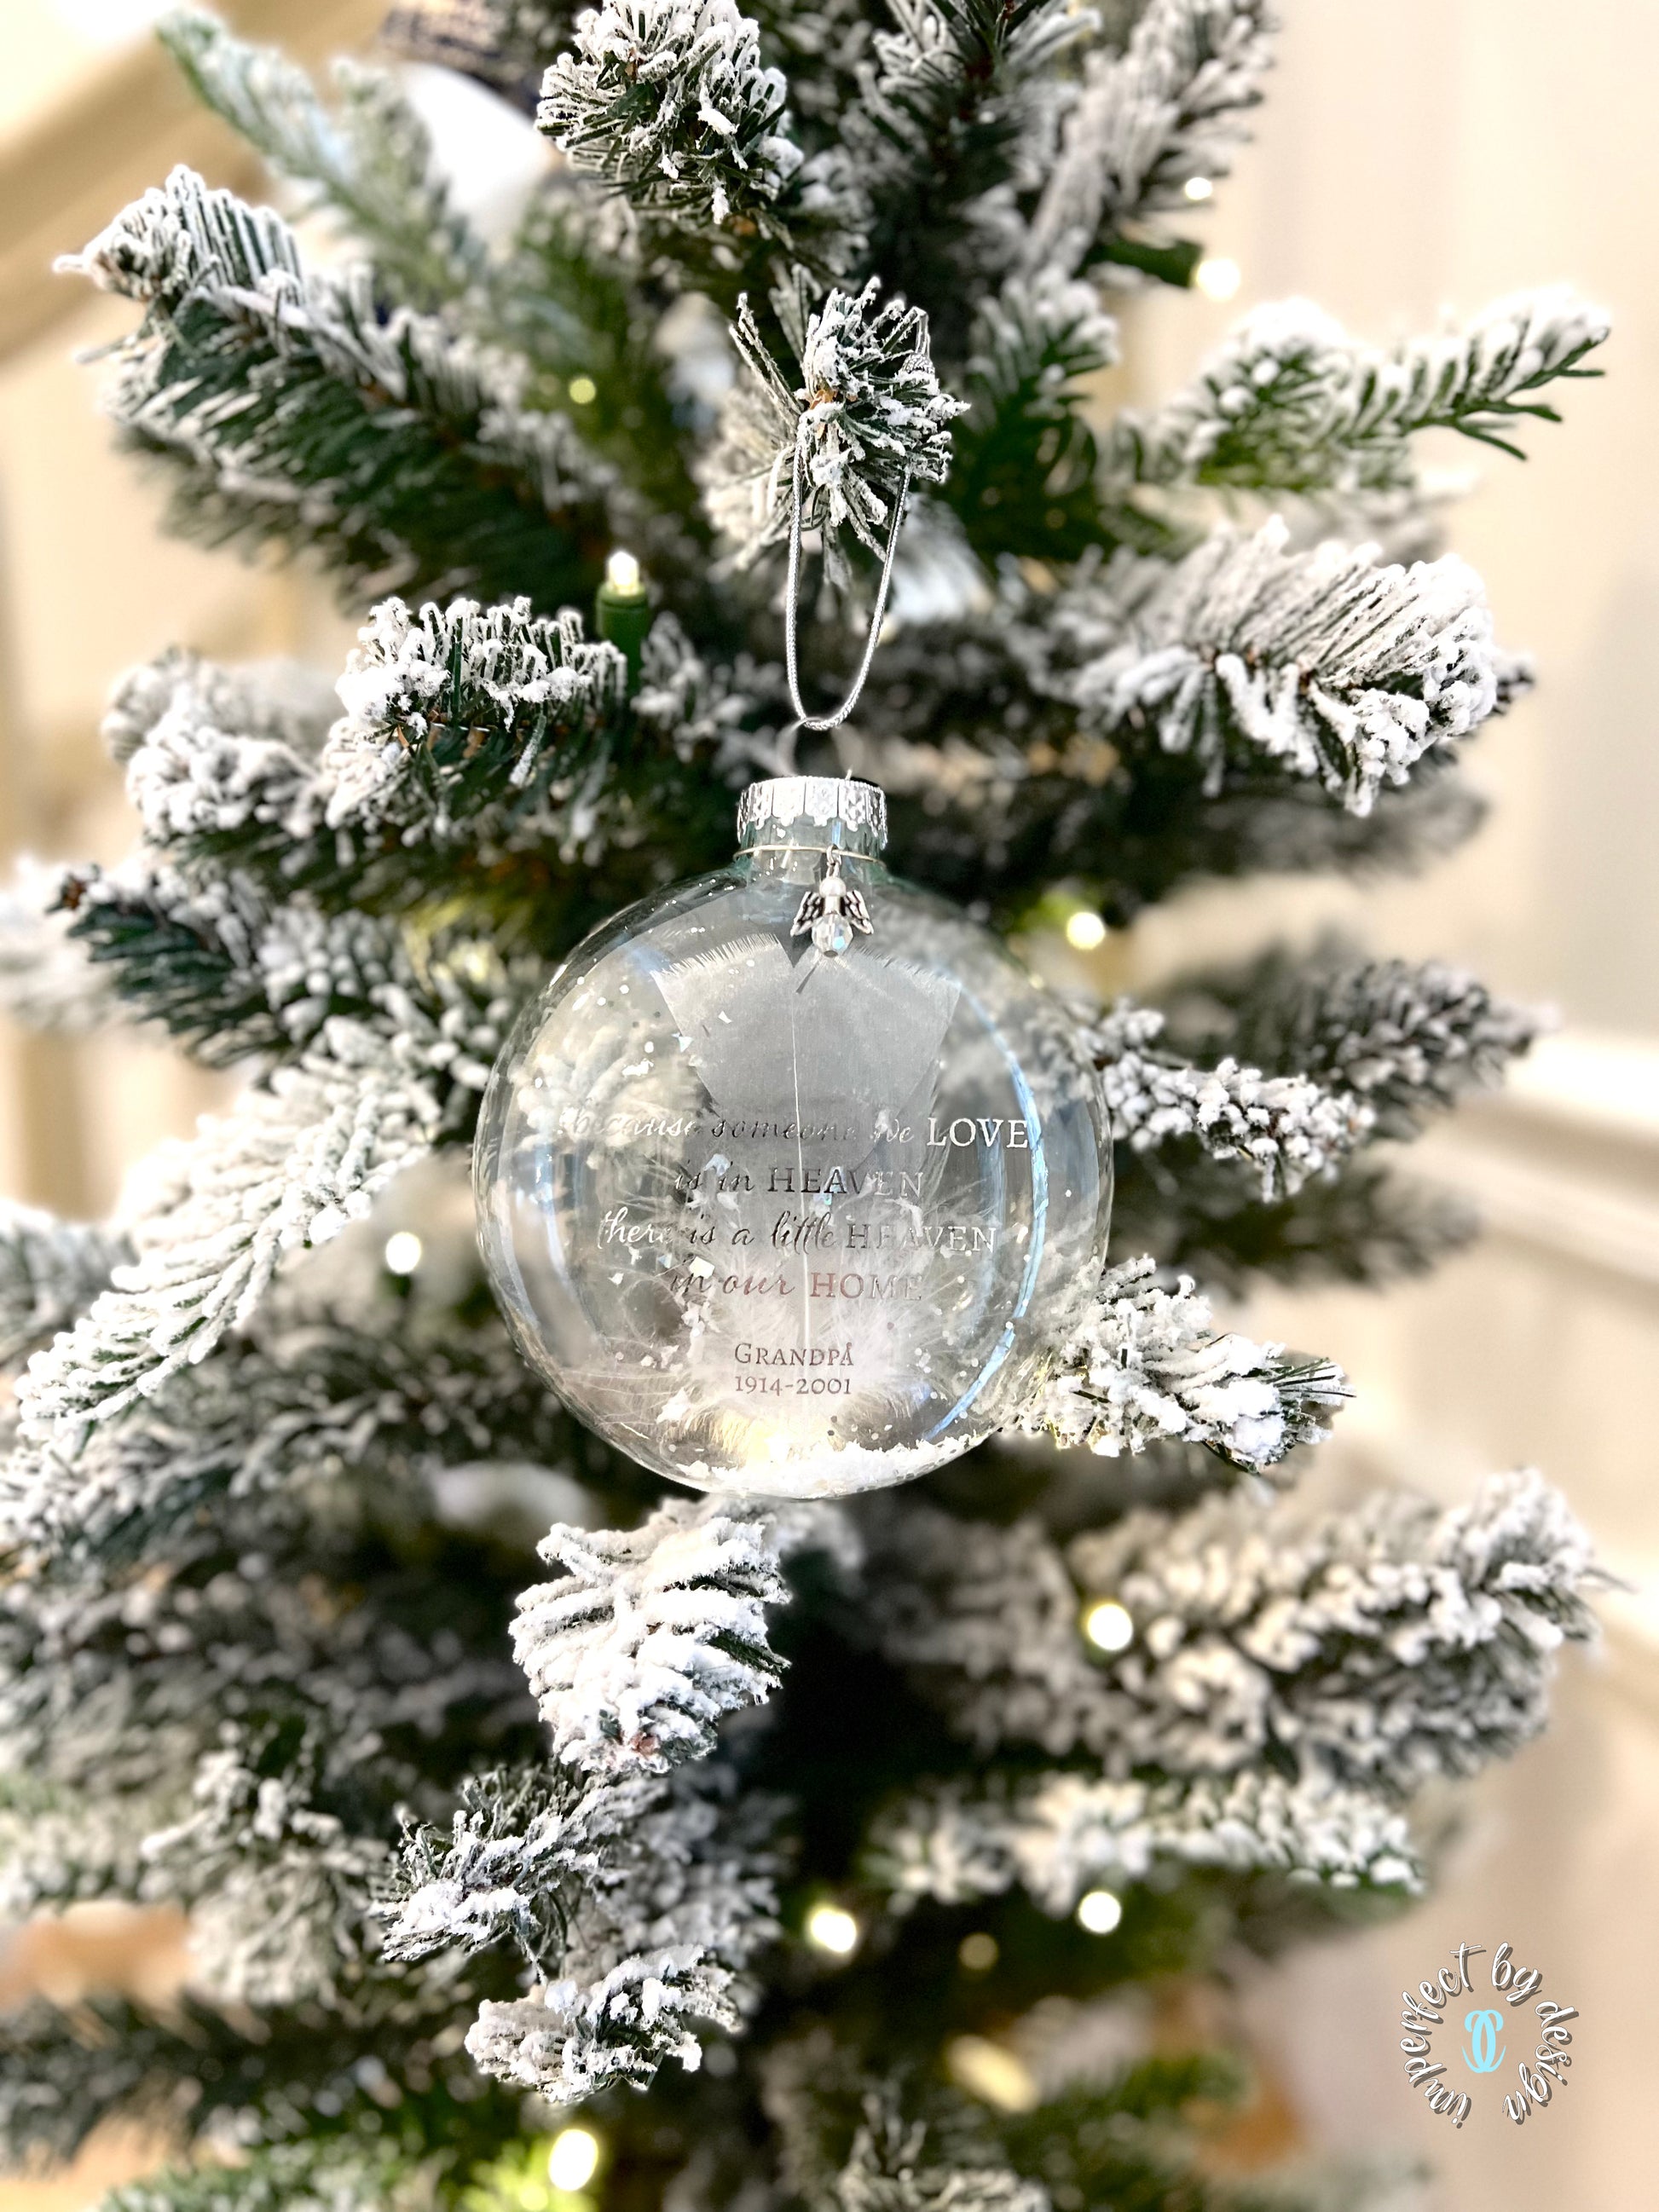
column 622, row 615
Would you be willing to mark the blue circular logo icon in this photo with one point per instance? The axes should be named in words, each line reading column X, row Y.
column 1482, row 2053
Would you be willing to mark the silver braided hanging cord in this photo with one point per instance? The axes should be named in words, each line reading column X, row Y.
column 792, row 588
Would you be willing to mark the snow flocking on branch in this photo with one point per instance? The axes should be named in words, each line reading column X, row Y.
column 300, row 1395
column 184, row 248
column 886, row 2170
column 197, row 771
column 935, row 64
column 1408, row 1038
column 205, row 952
column 1290, row 403
column 463, row 724
column 571, row 2041
column 371, row 159
column 416, row 675
column 638, row 1905
column 518, row 1844
column 869, row 407
column 289, row 1168
column 1171, row 107
column 276, row 1888
column 1376, row 1649
column 1148, row 1367
column 1044, row 318
column 49, row 1270
column 1061, row 1833
column 1387, row 1645
column 650, row 1635
column 1325, row 663
column 1287, row 1127
column 46, row 980
column 670, row 98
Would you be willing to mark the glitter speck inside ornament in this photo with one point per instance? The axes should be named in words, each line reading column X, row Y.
column 792, row 1178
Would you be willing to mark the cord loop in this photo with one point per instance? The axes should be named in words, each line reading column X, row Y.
column 803, row 720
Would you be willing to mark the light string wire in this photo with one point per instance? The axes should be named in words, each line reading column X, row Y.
column 792, row 592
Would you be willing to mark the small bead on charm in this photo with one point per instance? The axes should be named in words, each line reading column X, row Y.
column 832, row 910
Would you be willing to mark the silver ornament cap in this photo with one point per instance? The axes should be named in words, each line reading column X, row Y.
column 850, row 816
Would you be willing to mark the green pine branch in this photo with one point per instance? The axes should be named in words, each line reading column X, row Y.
column 1363, row 1224
column 1291, row 404
column 275, row 1411
column 941, row 124
column 994, row 795
column 1128, row 2143
column 583, row 318
column 369, row 160
column 185, row 963
column 1025, row 468
column 1412, row 1038
column 572, row 312
column 493, row 778
column 65, row 2075
column 296, row 409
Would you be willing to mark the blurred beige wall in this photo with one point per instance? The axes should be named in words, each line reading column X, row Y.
column 1424, row 156
column 1415, row 156
column 87, row 583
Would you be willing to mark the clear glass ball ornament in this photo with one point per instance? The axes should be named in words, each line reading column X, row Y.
column 792, row 1178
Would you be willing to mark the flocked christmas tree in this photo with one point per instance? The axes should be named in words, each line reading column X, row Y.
column 780, row 1816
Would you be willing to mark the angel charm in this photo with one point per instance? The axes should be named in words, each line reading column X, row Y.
column 832, row 910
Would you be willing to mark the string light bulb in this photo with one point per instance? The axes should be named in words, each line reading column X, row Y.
column 1084, row 931
column 1099, row 1911
column 622, row 608
column 1198, row 188
column 583, row 391
column 573, row 2158
column 402, row 1252
column 831, row 1928
column 1109, row 1625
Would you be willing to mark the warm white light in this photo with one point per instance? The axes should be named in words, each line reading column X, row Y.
column 403, row 1253
column 107, row 22
column 990, row 2072
column 583, row 391
column 1086, row 932
column 1108, row 1626
column 833, row 1929
column 573, row 2158
column 1099, row 1911
column 622, row 572
column 1198, row 188
column 1217, row 278
column 978, row 1952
